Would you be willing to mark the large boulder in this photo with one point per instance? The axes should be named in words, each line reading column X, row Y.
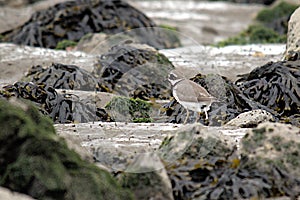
column 204, row 164
column 293, row 37
column 35, row 161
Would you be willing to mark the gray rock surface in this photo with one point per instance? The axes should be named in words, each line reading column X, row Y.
column 273, row 144
column 293, row 36
column 6, row 194
column 16, row 60
column 147, row 178
column 251, row 118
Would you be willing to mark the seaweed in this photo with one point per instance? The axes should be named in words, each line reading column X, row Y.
column 61, row 76
column 61, row 108
column 134, row 70
column 72, row 20
column 275, row 85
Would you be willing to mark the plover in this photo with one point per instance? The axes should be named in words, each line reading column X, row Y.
column 190, row 95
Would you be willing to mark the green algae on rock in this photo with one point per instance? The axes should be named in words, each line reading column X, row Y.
column 64, row 44
column 35, row 161
column 254, row 34
column 271, row 26
column 274, row 149
column 211, row 168
column 129, row 110
column 277, row 17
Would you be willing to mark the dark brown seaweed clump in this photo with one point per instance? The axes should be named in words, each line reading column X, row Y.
column 72, row 20
column 61, row 108
column 275, row 85
column 210, row 168
column 136, row 71
column 61, row 76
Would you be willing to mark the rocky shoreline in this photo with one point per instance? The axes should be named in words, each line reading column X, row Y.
column 101, row 114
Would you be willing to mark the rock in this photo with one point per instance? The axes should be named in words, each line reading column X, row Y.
column 35, row 161
column 251, row 119
column 17, row 3
column 6, row 194
column 124, row 109
column 274, row 149
column 277, row 16
column 195, row 157
column 100, row 43
column 147, row 178
column 204, row 165
column 48, row 27
column 17, row 60
column 135, row 70
column 293, row 37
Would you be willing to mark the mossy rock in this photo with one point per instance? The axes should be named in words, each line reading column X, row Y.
column 35, row 161
column 129, row 110
column 64, row 44
column 255, row 34
column 277, row 16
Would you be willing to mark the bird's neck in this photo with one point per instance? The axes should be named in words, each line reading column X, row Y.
column 174, row 82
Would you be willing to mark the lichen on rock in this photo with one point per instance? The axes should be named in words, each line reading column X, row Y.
column 35, row 161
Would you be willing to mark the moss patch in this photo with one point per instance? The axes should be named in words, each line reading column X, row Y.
column 255, row 34
column 128, row 109
column 35, row 161
column 270, row 14
column 62, row 45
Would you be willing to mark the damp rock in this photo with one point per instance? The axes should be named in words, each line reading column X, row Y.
column 251, row 119
column 135, row 70
column 6, row 194
column 293, row 37
column 274, row 149
column 147, row 178
column 124, row 109
column 200, row 168
column 61, row 108
column 276, row 86
column 72, row 20
column 61, row 76
column 35, row 161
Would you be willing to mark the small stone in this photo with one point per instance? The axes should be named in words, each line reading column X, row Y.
column 251, row 119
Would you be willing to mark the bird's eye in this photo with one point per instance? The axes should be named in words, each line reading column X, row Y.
column 172, row 77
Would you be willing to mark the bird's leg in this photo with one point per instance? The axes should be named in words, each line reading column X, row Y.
column 187, row 116
column 206, row 115
column 197, row 117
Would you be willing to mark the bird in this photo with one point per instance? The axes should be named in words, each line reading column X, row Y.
column 190, row 95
